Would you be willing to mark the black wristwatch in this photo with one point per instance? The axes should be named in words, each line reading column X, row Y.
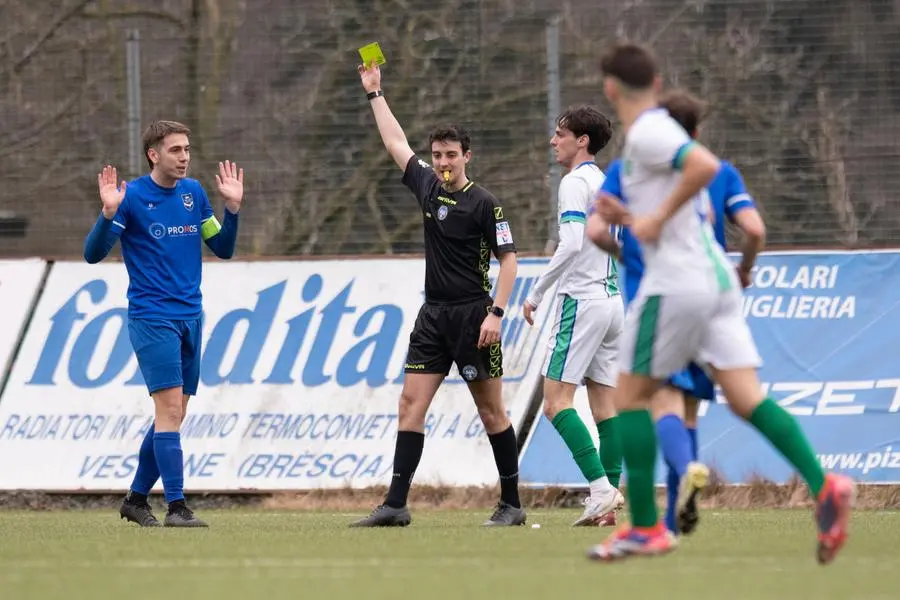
column 375, row 94
column 496, row 310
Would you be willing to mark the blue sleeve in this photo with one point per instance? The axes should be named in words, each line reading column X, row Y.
column 103, row 235
column 221, row 239
column 611, row 185
column 736, row 196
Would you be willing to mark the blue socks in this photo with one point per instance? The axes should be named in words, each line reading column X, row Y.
column 692, row 433
column 672, row 482
column 147, row 472
column 170, row 459
column 675, row 443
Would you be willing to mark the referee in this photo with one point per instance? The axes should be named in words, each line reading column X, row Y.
column 458, row 323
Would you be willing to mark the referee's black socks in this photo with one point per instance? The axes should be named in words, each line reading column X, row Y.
column 506, row 455
column 407, row 454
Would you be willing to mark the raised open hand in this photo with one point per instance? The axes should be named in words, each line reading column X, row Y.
column 230, row 182
column 111, row 196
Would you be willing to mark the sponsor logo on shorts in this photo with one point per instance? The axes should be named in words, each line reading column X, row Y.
column 469, row 372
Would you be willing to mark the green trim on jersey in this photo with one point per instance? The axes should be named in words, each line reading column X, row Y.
column 678, row 161
column 572, row 219
column 563, row 338
column 612, row 277
column 722, row 271
column 646, row 337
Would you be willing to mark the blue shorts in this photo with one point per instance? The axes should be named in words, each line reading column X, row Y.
column 693, row 381
column 168, row 352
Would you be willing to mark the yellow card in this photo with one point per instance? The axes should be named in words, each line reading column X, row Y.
column 372, row 55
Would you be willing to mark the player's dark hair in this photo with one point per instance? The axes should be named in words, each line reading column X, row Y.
column 632, row 64
column 450, row 133
column 684, row 107
column 587, row 120
column 157, row 132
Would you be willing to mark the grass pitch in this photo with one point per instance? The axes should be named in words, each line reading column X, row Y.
column 248, row 554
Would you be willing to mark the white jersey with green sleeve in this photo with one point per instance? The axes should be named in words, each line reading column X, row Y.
column 583, row 270
column 686, row 258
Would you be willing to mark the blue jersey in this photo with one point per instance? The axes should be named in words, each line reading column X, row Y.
column 728, row 196
column 161, row 231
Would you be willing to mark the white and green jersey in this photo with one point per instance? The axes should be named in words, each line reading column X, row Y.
column 686, row 258
column 583, row 270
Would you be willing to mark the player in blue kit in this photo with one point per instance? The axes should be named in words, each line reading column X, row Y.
column 161, row 219
column 730, row 201
column 675, row 405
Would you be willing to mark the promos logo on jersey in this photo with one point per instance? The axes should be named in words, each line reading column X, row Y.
column 188, row 201
column 442, row 213
column 504, row 235
column 182, row 230
column 157, row 230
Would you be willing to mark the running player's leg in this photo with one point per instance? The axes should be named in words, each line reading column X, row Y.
column 482, row 368
column 704, row 390
column 686, row 514
column 691, row 410
column 579, row 327
column 732, row 354
column 667, row 407
column 661, row 334
column 427, row 363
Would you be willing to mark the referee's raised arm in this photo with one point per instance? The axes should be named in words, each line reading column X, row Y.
column 391, row 133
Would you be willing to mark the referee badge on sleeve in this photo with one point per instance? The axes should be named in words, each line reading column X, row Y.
column 504, row 234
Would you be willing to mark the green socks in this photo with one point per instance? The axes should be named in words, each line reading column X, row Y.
column 610, row 449
column 638, row 436
column 782, row 430
column 576, row 436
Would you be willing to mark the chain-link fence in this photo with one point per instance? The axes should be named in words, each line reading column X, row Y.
column 803, row 98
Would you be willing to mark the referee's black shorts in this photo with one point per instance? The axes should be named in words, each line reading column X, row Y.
column 448, row 333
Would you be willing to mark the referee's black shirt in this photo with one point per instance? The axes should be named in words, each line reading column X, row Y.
column 461, row 230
